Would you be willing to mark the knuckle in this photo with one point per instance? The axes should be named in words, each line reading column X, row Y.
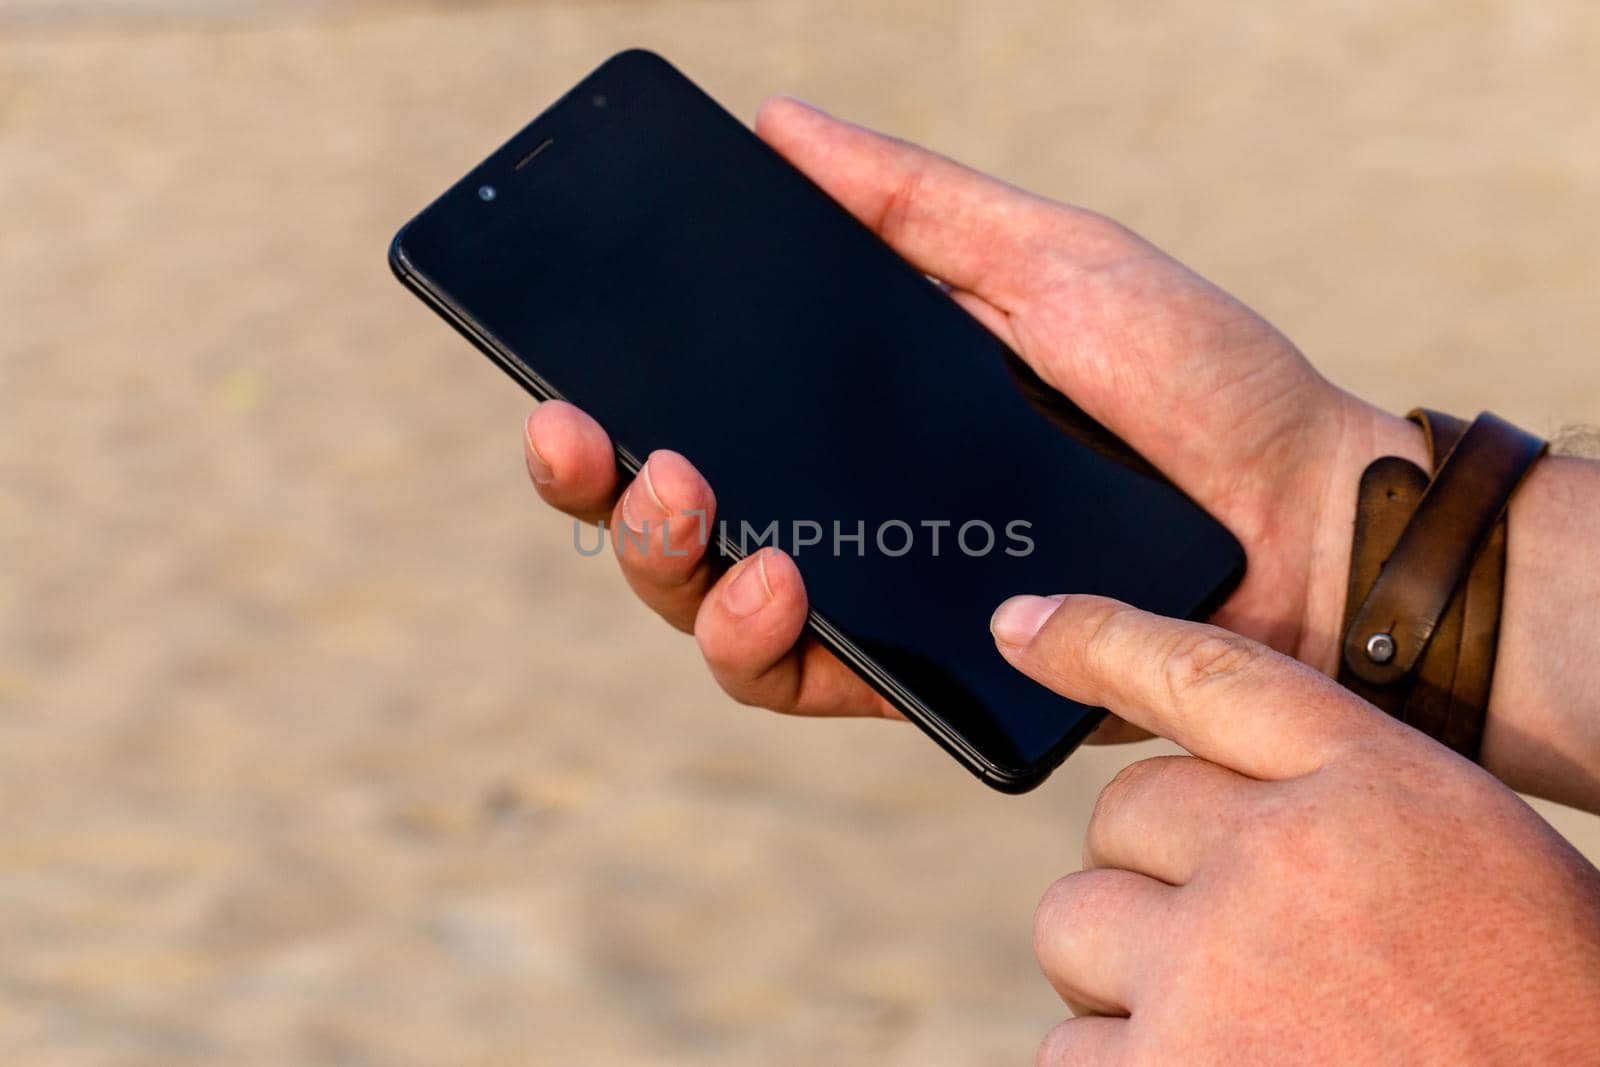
column 1125, row 786
column 1209, row 659
column 1070, row 909
column 904, row 204
column 1052, row 1049
column 727, row 665
column 1120, row 795
column 719, row 653
column 744, row 686
column 662, row 559
column 742, row 675
column 1105, row 628
column 1076, row 238
column 1051, row 913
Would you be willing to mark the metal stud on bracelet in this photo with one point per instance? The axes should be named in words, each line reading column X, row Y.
column 1380, row 647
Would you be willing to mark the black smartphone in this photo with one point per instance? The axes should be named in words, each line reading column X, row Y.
column 639, row 252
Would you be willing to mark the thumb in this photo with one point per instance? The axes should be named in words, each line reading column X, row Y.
column 975, row 232
column 1221, row 696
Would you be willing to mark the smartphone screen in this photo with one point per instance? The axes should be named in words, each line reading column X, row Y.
column 639, row 252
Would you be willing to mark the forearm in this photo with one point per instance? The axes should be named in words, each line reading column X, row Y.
column 1543, row 731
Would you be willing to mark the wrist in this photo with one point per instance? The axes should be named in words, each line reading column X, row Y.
column 1542, row 734
column 1542, row 729
column 1365, row 432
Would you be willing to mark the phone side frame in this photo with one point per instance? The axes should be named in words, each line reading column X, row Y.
column 1004, row 779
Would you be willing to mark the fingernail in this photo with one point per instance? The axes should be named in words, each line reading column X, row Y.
column 1018, row 619
column 749, row 592
column 538, row 469
column 639, row 509
column 808, row 105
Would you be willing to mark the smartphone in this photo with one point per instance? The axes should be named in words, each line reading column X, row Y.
column 638, row 251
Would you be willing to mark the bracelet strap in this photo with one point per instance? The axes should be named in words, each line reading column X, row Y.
column 1422, row 614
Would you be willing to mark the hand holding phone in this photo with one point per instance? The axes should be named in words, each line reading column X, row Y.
column 1268, row 455
column 663, row 226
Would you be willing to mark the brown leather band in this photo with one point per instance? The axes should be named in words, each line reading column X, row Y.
column 1438, row 545
column 1427, row 572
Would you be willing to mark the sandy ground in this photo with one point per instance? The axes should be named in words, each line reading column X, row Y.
column 318, row 745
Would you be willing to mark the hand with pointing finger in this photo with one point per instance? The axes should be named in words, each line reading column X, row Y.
column 1315, row 884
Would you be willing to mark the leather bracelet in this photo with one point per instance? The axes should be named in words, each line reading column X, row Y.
column 1427, row 574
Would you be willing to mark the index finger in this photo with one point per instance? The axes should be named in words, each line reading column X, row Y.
column 1223, row 697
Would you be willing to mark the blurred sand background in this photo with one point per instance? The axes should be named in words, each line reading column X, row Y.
column 319, row 745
